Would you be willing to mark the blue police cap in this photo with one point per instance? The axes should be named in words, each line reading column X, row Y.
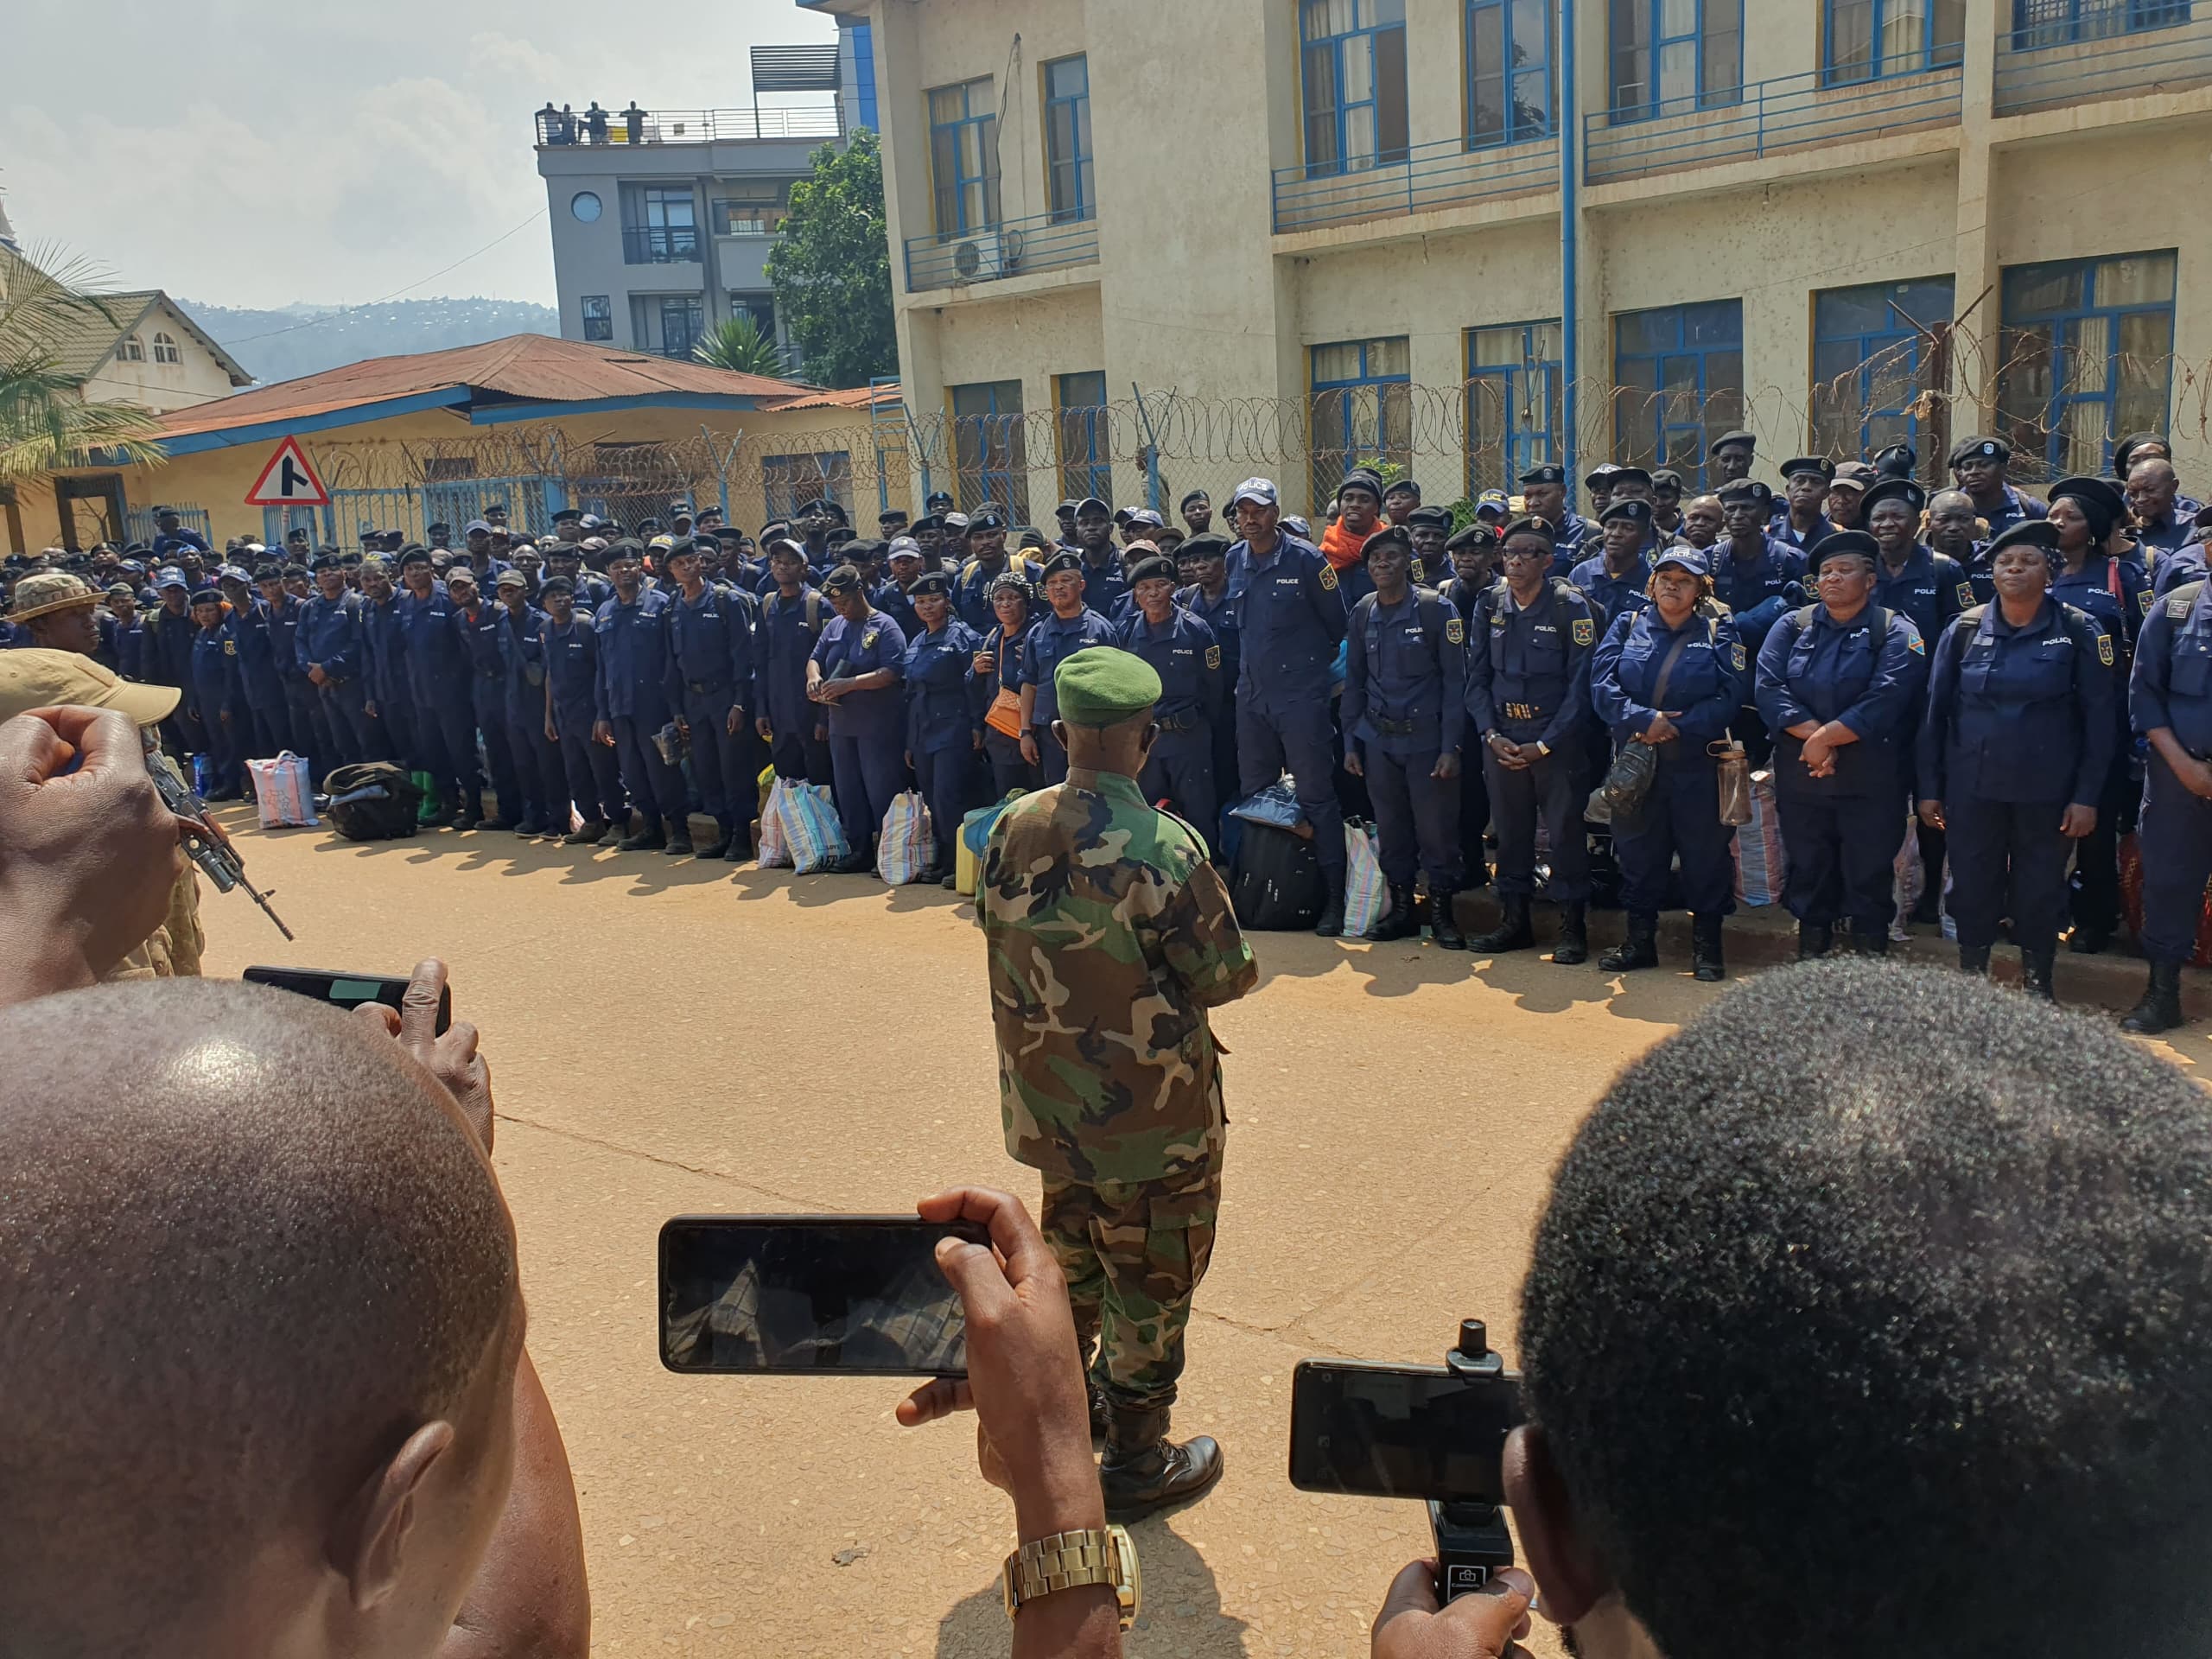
column 1682, row 554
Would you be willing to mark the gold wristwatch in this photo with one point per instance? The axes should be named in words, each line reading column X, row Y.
column 1067, row 1561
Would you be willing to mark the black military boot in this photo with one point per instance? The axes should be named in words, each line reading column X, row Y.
column 1513, row 932
column 589, row 833
column 2160, row 1008
column 1707, row 963
column 679, row 838
column 1974, row 959
column 1639, row 949
column 1332, row 924
column 2036, row 969
column 2088, row 941
column 720, row 844
column 471, row 813
column 1574, row 946
column 1144, row 1470
column 648, row 835
column 1443, row 926
column 1869, row 938
column 1102, row 1414
column 1814, row 939
column 1400, row 922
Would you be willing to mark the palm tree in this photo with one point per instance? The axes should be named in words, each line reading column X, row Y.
column 737, row 343
column 45, row 422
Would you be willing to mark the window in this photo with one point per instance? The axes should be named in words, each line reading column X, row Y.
column 660, row 225
column 585, row 206
column 1508, row 71
column 131, row 349
column 1354, row 83
column 1513, row 402
column 1873, row 355
column 1674, row 56
column 1678, row 375
column 1086, row 439
column 165, row 350
column 761, row 307
column 964, row 156
column 599, row 316
column 1868, row 39
column 864, row 72
column 1362, row 409
column 789, row 482
column 2060, row 22
column 990, row 457
column 1067, row 140
column 670, row 324
column 2087, row 354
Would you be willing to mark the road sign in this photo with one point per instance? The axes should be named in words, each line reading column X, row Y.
column 287, row 480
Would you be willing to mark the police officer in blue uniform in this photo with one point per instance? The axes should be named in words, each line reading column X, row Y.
column 2170, row 700
column 1953, row 530
column 1616, row 577
column 986, row 558
column 1757, row 578
column 440, row 691
column 1202, row 561
column 1430, row 529
column 171, row 537
column 632, row 706
column 1105, row 585
column 543, row 810
column 217, row 694
column 331, row 649
column 1730, row 456
column 2154, row 501
column 1978, row 466
column 1473, row 556
column 265, row 712
column 1292, row 616
column 997, row 671
column 1529, row 649
column 894, row 596
column 1672, row 677
column 709, row 678
column 478, row 622
column 571, row 711
column 944, row 718
column 1839, row 684
column 391, row 709
column 1193, row 685
column 1802, row 521
column 303, row 719
column 2014, row 753
column 856, row 672
column 1543, row 493
column 1069, row 624
column 793, row 614
column 1404, row 719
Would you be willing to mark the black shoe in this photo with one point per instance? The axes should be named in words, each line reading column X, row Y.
column 2089, row 941
column 1639, row 949
column 740, row 848
column 530, row 828
column 465, row 821
column 679, row 838
column 1928, row 911
column 489, row 824
column 1399, row 922
column 1814, row 940
column 2160, row 1008
column 1574, row 946
column 589, row 834
column 928, row 876
column 1143, row 1471
column 1870, row 938
column 1332, row 924
column 649, row 837
column 854, row 864
column 2036, row 969
column 1513, row 933
column 951, row 883
column 1974, row 959
column 1443, row 926
column 1707, row 963
column 717, row 847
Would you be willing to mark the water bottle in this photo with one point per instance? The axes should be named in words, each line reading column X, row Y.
column 203, row 776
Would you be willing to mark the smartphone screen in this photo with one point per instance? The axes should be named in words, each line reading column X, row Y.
column 791, row 1293
column 1399, row 1431
column 345, row 990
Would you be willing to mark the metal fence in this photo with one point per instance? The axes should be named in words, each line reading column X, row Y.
column 2144, row 46
column 1011, row 247
column 1424, row 178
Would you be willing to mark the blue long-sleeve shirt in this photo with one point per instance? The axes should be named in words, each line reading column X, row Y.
column 1757, row 591
column 1187, row 658
column 633, row 657
column 2172, row 682
column 330, row 636
column 2019, row 713
column 1708, row 682
column 437, row 664
column 1292, row 614
column 1529, row 670
column 944, row 700
column 1814, row 668
column 1406, row 674
column 572, row 670
column 710, row 643
column 783, row 639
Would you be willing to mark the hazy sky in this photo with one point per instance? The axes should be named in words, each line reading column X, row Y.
column 250, row 152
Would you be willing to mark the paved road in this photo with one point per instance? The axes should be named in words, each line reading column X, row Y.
column 668, row 1036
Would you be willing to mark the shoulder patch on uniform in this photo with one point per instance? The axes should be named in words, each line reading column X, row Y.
column 1915, row 643
column 1417, row 574
column 1965, row 593
column 230, row 647
column 2145, row 597
column 1585, row 630
column 2104, row 647
column 1455, row 631
column 1328, row 577
column 1736, row 655
column 1213, row 656
column 2177, row 603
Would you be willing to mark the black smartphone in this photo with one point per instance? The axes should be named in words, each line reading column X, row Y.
column 808, row 1293
column 1399, row 1431
column 345, row 990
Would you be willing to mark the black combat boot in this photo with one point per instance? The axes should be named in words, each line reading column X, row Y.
column 1974, row 959
column 471, row 813
column 1512, row 932
column 1443, row 926
column 720, row 844
column 1574, row 946
column 1706, row 962
column 589, row 833
column 1332, row 924
column 648, row 836
column 1144, row 1470
column 2036, row 969
column 1814, row 939
column 1870, row 938
column 858, row 863
column 679, row 837
column 2160, row 1008
column 1639, row 949
column 2086, row 941
column 1400, row 922
column 741, row 843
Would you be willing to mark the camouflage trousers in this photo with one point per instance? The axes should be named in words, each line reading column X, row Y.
column 1133, row 1253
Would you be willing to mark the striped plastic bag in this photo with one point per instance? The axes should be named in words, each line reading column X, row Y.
column 811, row 830
column 1367, row 895
column 1757, row 846
column 774, row 851
column 903, row 850
column 282, row 793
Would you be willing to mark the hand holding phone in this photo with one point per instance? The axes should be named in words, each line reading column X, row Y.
column 1400, row 1431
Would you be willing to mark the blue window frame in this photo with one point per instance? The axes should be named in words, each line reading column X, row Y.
column 2088, row 352
column 1086, row 438
column 1670, row 57
column 990, row 455
column 864, row 73
column 1362, row 409
column 789, row 482
column 1868, row 39
column 1678, row 379
column 1354, row 84
column 964, row 156
column 1513, row 402
column 1067, row 140
column 1508, row 71
column 1873, row 351
column 2061, row 23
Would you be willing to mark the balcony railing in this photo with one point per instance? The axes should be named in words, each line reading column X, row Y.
column 1793, row 112
column 1012, row 247
column 660, row 245
column 1442, row 174
column 636, row 126
column 2112, row 51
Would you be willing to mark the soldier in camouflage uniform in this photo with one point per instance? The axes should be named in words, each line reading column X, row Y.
column 1109, row 936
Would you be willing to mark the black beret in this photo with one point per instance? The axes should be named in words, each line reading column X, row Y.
column 1726, row 438
column 1194, row 495
column 1431, row 517
column 1980, row 447
column 1856, row 542
column 1159, row 566
column 935, row 582
column 1066, row 559
column 1388, row 536
column 1529, row 524
column 1625, row 474
column 557, row 585
column 2038, row 533
column 1205, row 546
column 1666, row 475
column 1405, row 484
column 986, row 519
column 1820, row 464
column 1892, row 489
column 414, row 553
column 841, row 580
column 1476, row 534
column 1744, row 489
column 1543, row 475
column 1636, row 512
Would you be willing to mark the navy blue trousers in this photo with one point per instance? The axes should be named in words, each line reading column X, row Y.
column 1298, row 739
column 2175, row 838
column 801, row 758
column 1416, row 817
column 345, row 714
column 445, row 738
column 1180, row 771
column 1553, row 787
column 1681, row 818
column 544, row 774
column 595, row 774
column 1052, row 758
column 2007, row 858
column 262, row 726
column 947, row 779
column 866, row 772
column 654, row 786
column 1009, row 769
column 1838, row 854
column 310, row 731
column 717, row 758
column 489, row 695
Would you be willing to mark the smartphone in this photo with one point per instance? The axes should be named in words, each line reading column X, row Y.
column 1399, row 1431
column 771, row 1294
column 345, row 990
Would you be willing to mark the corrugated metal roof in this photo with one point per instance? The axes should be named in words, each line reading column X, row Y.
column 850, row 398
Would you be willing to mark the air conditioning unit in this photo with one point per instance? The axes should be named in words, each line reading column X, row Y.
column 987, row 255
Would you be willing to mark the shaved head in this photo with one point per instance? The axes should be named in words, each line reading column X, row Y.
column 247, row 1250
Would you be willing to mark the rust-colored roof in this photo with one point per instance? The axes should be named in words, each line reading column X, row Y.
column 526, row 368
column 849, row 397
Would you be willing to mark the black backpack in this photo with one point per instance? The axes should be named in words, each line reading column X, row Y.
column 1275, row 882
column 374, row 801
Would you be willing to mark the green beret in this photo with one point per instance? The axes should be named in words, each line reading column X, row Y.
column 1103, row 687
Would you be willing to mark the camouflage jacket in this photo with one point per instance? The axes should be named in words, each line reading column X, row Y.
column 1110, row 937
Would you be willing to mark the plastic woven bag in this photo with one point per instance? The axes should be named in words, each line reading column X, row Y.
column 1908, row 881
column 1758, row 846
column 774, row 852
column 902, row 851
column 1367, row 895
column 282, row 793
column 812, row 829
column 974, row 836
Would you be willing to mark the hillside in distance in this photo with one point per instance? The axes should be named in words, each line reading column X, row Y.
column 303, row 339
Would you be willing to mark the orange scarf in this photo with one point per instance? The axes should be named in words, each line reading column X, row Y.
column 1341, row 546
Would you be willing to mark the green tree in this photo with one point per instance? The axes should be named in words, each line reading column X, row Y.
column 736, row 343
column 831, row 268
column 45, row 422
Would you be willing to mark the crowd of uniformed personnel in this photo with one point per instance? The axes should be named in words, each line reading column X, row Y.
column 2020, row 677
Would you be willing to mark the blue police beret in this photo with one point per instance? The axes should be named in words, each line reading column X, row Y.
column 2038, row 533
column 1389, row 536
column 1529, row 523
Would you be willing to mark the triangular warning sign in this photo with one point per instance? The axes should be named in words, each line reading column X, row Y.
column 287, row 480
